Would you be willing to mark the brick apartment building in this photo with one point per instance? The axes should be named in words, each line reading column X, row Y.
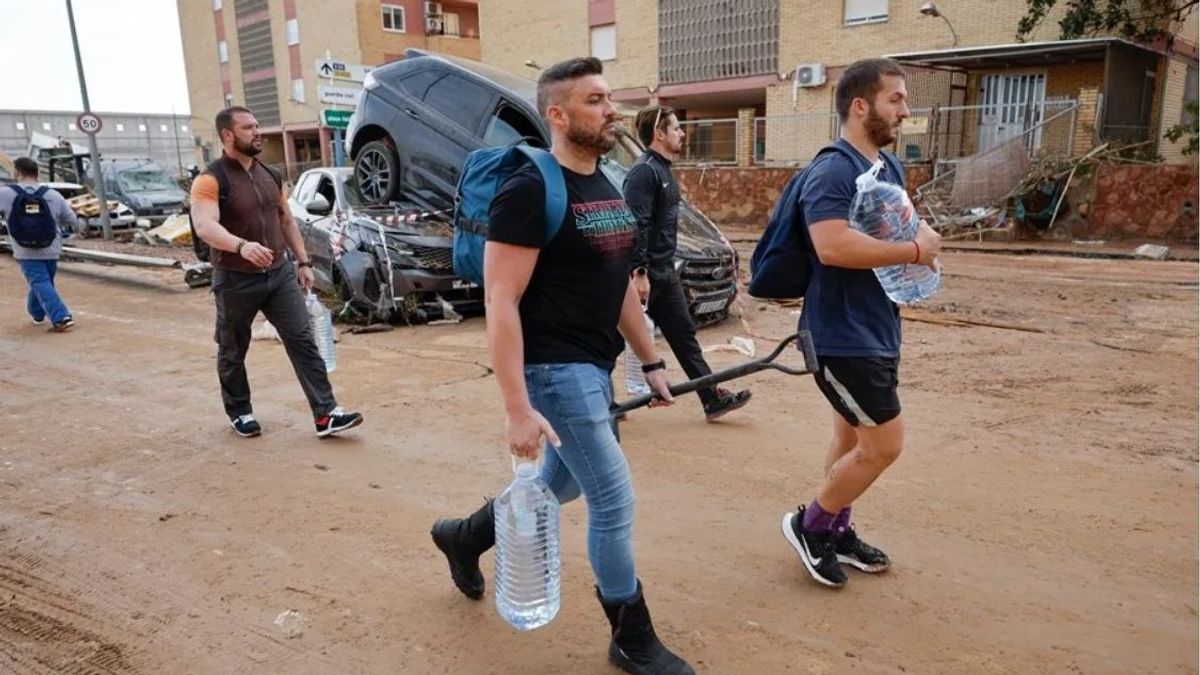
column 263, row 54
column 754, row 78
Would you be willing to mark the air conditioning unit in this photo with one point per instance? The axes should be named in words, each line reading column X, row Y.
column 433, row 26
column 433, row 9
column 810, row 75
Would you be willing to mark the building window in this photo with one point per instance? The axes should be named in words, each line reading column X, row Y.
column 293, row 31
column 45, row 126
column 141, row 127
column 120, row 127
column 393, row 18
column 216, row 5
column 604, row 42
column 298, row 91
column 865, row 11
column 223, row 51
column 20, row 126
column 450, row 24
column 183, row 128
column 162, row 128
column 1191, row 90
column 70, row 126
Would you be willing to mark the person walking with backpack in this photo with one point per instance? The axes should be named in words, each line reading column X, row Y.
column 35, row 214
column 653, row 196
column 855, row 327
column 240, row 211
column 557, row 293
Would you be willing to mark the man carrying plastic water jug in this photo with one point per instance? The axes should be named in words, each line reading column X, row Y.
column 239, row 209
column 653, row 195
column 35, row 215
column 553, row 313
column 854, row 326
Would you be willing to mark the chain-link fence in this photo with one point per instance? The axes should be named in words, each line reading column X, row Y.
column 945, row 133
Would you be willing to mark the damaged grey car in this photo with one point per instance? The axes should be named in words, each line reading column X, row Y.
column 384, row 263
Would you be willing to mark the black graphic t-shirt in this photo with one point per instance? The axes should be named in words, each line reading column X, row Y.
column 570, row 309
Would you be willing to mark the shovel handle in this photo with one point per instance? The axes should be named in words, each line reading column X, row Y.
column 804, row 344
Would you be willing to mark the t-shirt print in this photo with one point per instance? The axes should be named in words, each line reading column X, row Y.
column 608, row 227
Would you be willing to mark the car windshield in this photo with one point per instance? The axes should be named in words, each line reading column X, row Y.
column 145, row 179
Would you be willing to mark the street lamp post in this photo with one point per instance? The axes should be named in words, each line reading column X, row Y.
column 97, row 174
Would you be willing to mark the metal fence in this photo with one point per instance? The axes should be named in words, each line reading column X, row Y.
column 947, row 133
column 712, row 141
column 950, row 133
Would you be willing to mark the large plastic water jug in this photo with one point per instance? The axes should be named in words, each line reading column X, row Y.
column 883, row 210
column 527, row 554
column 322, row 328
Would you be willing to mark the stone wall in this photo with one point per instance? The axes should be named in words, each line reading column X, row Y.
column 747, row 196
column 1145, row 202
column 734, row 196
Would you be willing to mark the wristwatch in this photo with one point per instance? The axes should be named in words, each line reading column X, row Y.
column 657, row 365
column 639, row 271
column 304, row 263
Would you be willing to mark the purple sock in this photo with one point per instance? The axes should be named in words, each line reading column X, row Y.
column 842, row 522
column 817, row 519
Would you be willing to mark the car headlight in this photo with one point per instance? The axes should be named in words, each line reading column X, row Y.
column 370, row 81
column 679, row 263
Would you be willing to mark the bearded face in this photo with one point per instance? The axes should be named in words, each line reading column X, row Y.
column 881, row 130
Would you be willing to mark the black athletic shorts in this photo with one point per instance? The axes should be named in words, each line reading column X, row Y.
column 861, row 389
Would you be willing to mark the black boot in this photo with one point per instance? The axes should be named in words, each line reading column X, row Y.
column 463, row 540
column 634, row 647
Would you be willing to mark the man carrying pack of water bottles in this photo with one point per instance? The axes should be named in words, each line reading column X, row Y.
column 554, row 306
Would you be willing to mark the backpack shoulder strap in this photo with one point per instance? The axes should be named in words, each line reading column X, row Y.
column 896, row 167
column 217, row 169
column 40, row 192
column 556, row 187
column 16, row 187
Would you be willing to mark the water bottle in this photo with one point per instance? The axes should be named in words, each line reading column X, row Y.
column 884, row 211
column 527, row 556
column 635, row 379
column 322, row 328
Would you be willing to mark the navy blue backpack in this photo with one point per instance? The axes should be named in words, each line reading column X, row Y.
column 483, row 172
column 31, row 224
column 781, row 266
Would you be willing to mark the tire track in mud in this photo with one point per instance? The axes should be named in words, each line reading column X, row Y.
column 108, row 622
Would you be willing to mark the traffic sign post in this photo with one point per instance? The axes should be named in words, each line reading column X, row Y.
column 336, row 119
column 89, row 123
column 85, row 121
column 340, row 71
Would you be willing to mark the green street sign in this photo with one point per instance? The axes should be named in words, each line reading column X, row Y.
column 336, row 119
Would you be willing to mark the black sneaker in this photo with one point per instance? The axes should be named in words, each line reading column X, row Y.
column 336, row 421
column 63, row 326
column 725, row 402
column 816, row 550
column 858, row 554
column 246, row 426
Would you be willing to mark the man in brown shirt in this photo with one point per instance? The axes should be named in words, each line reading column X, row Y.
column 239, row 209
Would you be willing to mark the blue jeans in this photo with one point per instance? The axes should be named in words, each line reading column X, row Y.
column 43, row 299
column 574, row 398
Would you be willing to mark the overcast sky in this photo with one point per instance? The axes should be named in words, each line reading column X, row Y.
column 132, row 56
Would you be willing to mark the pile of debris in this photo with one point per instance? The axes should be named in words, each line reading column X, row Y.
column 985, row 195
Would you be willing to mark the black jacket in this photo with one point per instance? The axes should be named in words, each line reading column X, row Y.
column 653, row 196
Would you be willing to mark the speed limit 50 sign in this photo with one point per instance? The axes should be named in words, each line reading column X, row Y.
column 89, row 123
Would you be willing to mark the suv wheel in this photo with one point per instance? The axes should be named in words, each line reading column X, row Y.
column 377, row 170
